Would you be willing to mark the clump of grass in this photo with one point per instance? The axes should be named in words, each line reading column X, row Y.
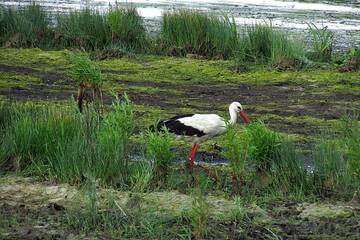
column 194, row 32
column 322, row 42
column 142, row 176
column 127, row 28
column 350, row 131
column 158, row 151
column 263, row 144
column 85, row 71
column 25, row 27
column 329, row 168
column 59, row 143
column 86, row 29
column 113, row 137
column 236, row 149
column 288, row 171
column 6, row 113
column 199, row 214
column 35, row 132
column 262, row 43
column 352, row 61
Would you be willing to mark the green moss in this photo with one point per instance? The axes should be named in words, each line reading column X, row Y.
column 318, row 210
column 34, row 57
column 12, row 80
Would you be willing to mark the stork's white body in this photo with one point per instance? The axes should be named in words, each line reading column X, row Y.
column 210, row 124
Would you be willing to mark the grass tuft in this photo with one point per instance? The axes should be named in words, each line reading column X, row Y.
column 85, row 29
column 236, row 149
column 264, row 145
column 25, row 27
column 322, row 43
column 158, row 151
column 262, row 43
column 83, row 70
column 193, row 32
column 127, row 28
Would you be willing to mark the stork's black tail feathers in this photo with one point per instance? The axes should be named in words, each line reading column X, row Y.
column 170, row 124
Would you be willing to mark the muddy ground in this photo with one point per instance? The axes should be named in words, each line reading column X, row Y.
column 284, row 99
column 34, row 210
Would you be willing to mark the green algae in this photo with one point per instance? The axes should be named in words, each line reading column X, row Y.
column 323, row 210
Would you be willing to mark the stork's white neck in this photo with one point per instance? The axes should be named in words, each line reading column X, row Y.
column 233, row 116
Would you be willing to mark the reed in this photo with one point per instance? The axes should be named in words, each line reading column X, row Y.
column 193, row 32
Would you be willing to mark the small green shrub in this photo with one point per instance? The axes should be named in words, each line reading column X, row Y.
column 83, row 70
column 127, row 28
column 158, row 151
column 188, row 31
column 263, row 145
column 322, row 42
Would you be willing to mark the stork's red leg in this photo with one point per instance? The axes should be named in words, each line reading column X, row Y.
column 192, row 157
column 192, row 162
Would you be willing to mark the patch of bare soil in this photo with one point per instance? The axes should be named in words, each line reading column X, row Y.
column 317, row 220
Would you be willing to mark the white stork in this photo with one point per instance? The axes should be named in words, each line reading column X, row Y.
column 200, row 127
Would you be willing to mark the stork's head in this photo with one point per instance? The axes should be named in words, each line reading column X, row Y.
column 236, row 107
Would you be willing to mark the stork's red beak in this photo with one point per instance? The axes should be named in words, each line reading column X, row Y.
column 244, row 117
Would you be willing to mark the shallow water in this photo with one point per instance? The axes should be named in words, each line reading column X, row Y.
column 343, row 19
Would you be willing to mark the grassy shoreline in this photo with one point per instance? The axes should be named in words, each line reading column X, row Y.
column 120, row 31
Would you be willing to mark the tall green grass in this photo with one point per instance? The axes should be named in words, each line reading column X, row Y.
column 87, row 29
column 264, row 145
column 188, row 31
column 158, row 151
column 263, row 44
column 237, row 150
column 350, row 133
column 322, row 42
column 288, row 172
column 63, row 144
column 330, row 174
column 127, row 28
column 25, row 27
